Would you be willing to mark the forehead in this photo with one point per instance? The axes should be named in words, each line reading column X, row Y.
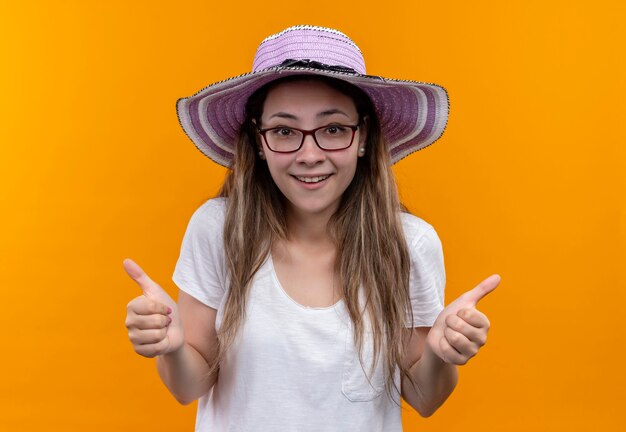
column 306, row 97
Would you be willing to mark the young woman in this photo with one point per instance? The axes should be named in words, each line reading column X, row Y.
column 309, row 300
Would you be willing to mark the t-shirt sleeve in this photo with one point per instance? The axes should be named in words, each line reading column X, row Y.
column 200, row 269
column 427, row 278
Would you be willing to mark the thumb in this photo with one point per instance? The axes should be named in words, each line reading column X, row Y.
column 149, row 287
column 482, row 289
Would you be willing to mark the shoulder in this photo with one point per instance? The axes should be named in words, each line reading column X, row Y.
column 425, row 248
column 210, row 215
column 427, row 276
column 206, row 224
column 214, row 208
column 418, row 232
column 200, row 270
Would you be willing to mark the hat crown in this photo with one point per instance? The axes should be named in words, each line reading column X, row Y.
column 304, row 42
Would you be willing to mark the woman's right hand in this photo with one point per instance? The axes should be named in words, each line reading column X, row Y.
column 152, row 319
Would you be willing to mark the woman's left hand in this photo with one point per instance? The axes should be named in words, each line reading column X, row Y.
column 460, row 330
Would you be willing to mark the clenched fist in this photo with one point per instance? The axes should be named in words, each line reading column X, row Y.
column 460, row 330
column 154, row 326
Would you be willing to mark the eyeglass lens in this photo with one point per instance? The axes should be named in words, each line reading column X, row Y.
column 332, row 137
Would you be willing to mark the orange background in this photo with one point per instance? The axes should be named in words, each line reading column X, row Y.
column 527, row 181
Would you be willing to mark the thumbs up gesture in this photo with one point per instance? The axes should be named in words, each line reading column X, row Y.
column 460, row 330
column 154, row 326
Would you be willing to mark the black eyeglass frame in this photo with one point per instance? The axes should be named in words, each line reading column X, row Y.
column 306, row 133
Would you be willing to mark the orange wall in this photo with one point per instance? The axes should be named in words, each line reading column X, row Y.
column 527, row 181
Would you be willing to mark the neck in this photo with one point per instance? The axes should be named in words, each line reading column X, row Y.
column 308, row 228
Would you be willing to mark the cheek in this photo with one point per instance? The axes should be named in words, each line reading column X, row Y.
column 277, row 166
column 352, row 160
column 348, row 169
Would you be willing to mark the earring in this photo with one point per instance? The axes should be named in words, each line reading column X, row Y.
column 361, row 150
column 261, row 155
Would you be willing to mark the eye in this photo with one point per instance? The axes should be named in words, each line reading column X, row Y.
column 282, row 132
column 335, row 130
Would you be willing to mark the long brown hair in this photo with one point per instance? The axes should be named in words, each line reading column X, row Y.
column 372, row 254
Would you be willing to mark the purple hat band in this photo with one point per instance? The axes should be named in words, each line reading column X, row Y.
column 412, row 114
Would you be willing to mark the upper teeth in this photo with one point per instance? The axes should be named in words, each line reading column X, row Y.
column 312, row 179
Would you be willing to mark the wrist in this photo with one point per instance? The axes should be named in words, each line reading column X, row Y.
column 432, row 358
column 174, row 355
column 435, row 380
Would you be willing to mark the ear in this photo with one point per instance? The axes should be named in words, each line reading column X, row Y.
column 258, row 142
column 363, row 128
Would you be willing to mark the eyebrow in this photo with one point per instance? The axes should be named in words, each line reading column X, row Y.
column 321, row 114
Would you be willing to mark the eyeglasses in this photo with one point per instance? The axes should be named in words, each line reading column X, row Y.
column 332, row 137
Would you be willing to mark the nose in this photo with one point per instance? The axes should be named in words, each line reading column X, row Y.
column 310, row 153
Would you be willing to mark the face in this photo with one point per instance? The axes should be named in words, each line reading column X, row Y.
column 313, row 180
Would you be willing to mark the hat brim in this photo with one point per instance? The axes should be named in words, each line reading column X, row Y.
column 412, row 114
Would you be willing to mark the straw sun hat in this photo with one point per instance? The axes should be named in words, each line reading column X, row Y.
column 412, row 114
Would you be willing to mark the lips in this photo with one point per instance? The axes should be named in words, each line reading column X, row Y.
column 312, row 179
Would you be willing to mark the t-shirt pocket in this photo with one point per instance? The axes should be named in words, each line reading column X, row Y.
column 356, row 384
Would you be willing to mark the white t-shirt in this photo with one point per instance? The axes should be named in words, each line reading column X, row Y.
column 295, row 368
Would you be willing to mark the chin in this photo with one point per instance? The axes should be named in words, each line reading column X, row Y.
column 314, row 208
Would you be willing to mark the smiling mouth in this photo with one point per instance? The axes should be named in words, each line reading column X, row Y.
column 312, row 179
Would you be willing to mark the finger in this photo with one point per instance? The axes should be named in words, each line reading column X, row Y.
column 153, row 350
column 482, row 289
column 147, row 337
column 146, row 322
column 148, row 286
column 450, row 355
column 143, row 305
column 460, row 343
column 474, row 317
column 476, row 335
